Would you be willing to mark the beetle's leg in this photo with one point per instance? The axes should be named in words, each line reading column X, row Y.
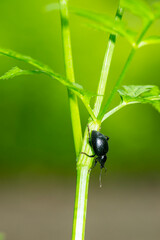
column 107, row 138
column 100, row 178
column 88, row 155
column 95, row 163
column 89, row 133
column 100, row 175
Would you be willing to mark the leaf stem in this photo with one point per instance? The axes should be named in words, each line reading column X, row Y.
column 127, row 64
column 89, row 109
column 106, row 65
column 66, row 40
column 114, row 110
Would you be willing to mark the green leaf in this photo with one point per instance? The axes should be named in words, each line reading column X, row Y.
column 78, row 89
column 141, row 94
column 105, row 23
column 16, row 71
column 27, row 59
column 83, row 94
column 133, row 91
column 149, row 41
column 139, row 8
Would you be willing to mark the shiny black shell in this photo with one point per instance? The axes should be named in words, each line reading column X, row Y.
column 99, row 143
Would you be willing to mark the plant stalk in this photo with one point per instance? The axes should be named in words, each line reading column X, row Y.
column 127, row 64
column 83, row 165
column 80, row 203
column 106, row 65
column 66, row 40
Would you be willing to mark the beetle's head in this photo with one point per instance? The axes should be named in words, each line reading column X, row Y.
column 103, row 159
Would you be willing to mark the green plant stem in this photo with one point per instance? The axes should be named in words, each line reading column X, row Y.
column 82, row 169
column 116, row 109
column 74, row 110
column 80, row 203
column 106, row 66
column 89, row 109
column 83, row 165
column 117, row 83
column 127, row 64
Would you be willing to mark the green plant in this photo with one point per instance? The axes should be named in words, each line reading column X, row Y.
column 129, row 94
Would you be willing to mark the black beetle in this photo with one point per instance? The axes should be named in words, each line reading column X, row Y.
column 99, row 143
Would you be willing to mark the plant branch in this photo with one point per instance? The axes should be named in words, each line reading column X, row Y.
column 127, row 64
column 89, row 109
column 106, row 65
column 116, row 109
column 66, row 40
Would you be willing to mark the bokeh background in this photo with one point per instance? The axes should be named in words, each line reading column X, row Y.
column 37, row 159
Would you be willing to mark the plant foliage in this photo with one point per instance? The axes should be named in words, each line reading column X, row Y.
column 129, row 94
column 106, row 23
column 141, row 94
column 139, row 8
column 42, row 68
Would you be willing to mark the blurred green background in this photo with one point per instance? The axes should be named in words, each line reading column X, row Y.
column 35, row 126
column 37, row 158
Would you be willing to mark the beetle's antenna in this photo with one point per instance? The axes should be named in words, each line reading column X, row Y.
column 107, row 138
column 100, row 178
